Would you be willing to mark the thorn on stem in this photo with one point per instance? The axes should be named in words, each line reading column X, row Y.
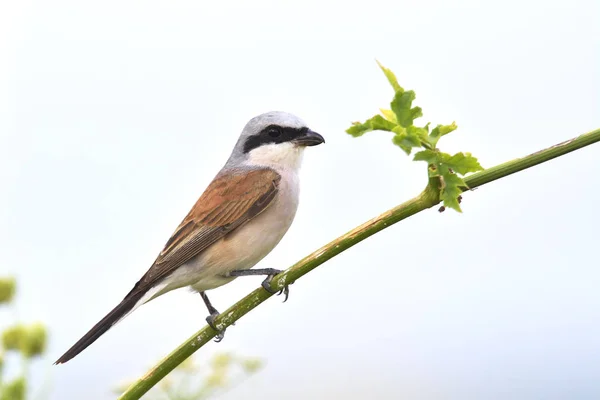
column 442, row 209
column 459, row 198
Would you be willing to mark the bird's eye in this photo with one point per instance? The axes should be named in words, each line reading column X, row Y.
column 274, row 131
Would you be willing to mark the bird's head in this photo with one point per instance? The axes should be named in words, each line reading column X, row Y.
column 275, row 139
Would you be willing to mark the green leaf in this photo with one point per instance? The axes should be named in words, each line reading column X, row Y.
column 406, row 139
column 441, row 130
column 451, row 188
column 373, row 124
column 389, row 115
column 453, row 184
column 402, row 107
column 400, row 131
column 461, row 163
column 418, row 132
column 391, row 78
column 399, row 141
column 429, row 156
column 451, row 202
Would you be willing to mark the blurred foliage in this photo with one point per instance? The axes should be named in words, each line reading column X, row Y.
column 26, row 341
column 399, row 119
column 13, row 390
column 192, row 381
column 8, row 288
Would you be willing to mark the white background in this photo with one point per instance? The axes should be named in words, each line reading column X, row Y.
column 115, row 115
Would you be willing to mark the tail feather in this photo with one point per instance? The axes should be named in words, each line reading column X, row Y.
column 120, row 311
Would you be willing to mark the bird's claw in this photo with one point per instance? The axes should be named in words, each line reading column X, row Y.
column 211, row 322
column 266, row 284
column 285, row 291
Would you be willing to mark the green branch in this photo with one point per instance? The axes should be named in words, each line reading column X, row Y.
column 427, row 199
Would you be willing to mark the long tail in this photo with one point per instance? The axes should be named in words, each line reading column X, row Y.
column 119, row 312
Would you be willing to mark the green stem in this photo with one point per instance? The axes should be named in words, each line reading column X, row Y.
column 427, row 199
column 510, row 167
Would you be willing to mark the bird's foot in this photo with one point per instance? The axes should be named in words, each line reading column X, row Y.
column 266, row 284
column 211, row 322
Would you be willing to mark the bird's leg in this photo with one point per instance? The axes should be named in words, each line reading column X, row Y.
column 211, row 318
column 266, row 284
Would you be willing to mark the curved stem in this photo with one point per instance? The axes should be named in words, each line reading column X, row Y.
column 427, row 199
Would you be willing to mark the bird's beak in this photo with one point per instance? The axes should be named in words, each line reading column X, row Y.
column 309, row 138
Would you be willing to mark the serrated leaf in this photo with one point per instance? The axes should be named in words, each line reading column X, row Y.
column 391, row 78
column 453, row 184
column 402, row 107
column 446, row 129
column 389, row 115
column 451, row 202
column 441, row 130
column 461, row 163
column 373, row 124
column 358, row 129
column 416, row 112
column 429, row 156
column 399, row 130
column 406, row 139
column 451, row 188
column 418, row 132
column 399, row 140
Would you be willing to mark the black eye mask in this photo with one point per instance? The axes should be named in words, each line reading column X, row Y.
column 273, row 134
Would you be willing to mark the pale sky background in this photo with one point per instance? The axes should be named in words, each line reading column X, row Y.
column 115, row 115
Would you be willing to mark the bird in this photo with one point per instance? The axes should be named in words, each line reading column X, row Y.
column 240, row 217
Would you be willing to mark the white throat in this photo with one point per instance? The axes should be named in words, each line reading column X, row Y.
column 280, row 156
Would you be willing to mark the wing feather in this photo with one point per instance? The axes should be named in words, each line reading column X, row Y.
column 227, row 203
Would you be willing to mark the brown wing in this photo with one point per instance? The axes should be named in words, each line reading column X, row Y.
column 227, row 203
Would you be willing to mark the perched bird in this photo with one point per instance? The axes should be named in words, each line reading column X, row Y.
column 241, row 216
